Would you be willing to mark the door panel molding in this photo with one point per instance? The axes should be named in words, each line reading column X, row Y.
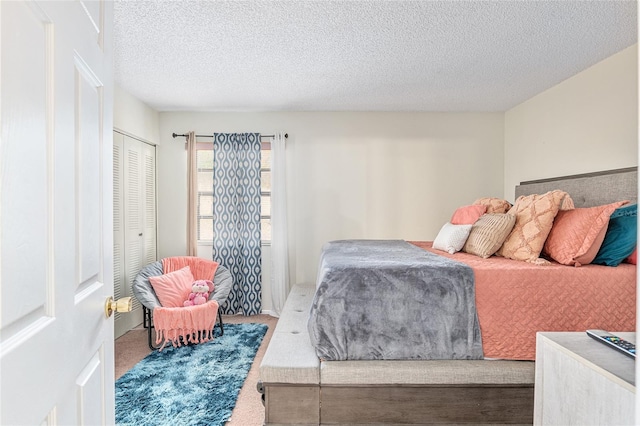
column 27, row 179
column 89, row 384
column 88, row 106
column 24, row 330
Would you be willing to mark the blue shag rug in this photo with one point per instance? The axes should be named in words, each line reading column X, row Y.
column 189, row 385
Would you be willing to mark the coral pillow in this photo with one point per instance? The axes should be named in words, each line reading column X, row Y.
column 467, row 215
column 494, row 205
column 534, row 219
column 488, row 234
column 451, row 238
column 633, row 259
column 173, row 288
column 620, row 240
column 576, row 235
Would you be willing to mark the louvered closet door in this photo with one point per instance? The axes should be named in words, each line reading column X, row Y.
column 149, row 202
column 137, row 212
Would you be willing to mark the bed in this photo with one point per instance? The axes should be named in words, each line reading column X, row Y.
column 302, row 385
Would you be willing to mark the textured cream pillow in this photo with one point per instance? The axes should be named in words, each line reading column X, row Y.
column 488, row 234
column 534, row 219
column 494, row 205
column 567, row 203
column 451, row 238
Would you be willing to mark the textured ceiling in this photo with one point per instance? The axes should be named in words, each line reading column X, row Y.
column 359, row 55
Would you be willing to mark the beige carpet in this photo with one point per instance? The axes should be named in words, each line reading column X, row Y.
column 132, row 347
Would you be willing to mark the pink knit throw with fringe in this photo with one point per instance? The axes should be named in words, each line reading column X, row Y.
column 190, row 324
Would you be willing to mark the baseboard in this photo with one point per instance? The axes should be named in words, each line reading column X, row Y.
column 270, row 313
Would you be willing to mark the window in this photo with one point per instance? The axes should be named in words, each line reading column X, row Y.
column 204, row 160
column 265, row 192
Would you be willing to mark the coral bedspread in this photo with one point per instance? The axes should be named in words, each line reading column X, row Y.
column 517, row 299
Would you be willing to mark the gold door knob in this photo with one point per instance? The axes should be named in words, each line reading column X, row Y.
column 121, row 305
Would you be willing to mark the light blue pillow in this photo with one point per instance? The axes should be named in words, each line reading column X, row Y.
column 620, row 239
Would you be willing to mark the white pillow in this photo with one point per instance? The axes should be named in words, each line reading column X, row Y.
column 451, row 238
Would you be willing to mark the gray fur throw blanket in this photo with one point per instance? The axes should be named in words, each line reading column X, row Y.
column 388, row 299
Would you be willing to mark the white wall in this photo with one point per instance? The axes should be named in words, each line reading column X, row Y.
column 350, row 175
column 586, row 123
column 400, row 175
column 134, row 117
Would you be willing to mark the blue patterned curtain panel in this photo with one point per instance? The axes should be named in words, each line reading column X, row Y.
column 236, row 218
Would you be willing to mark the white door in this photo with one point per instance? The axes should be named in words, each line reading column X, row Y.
column 56, row 254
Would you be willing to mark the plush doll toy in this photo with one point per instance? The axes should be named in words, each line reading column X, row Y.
column 200, row 291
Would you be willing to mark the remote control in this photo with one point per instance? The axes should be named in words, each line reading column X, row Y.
column 613, row 341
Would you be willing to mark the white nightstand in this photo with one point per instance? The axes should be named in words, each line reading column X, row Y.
column 580, row 381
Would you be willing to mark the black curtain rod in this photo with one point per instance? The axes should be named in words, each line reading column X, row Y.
column 175, row 135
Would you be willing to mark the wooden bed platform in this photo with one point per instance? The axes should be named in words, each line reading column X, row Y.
column 301, row 389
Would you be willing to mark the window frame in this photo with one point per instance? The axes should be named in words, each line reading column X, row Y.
column 266, row 146
column 200, row 194
column 208, row 146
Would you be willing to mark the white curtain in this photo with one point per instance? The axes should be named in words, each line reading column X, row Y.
column 279, row 238
column 192, row 196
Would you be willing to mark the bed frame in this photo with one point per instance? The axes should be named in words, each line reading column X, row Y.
column 589, row 189
column 298, row 388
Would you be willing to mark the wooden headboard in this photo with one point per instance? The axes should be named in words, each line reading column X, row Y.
column 589, row 189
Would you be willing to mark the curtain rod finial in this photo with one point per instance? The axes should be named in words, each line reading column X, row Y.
column 174, row 135
column 286, row 135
